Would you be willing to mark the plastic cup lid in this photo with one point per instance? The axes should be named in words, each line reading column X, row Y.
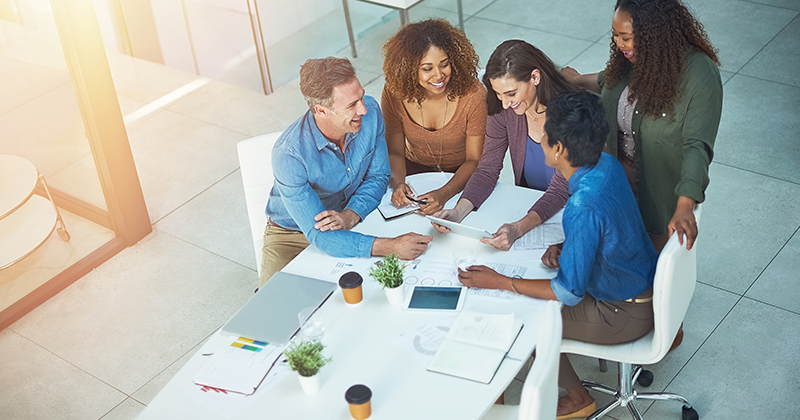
column 350, row 280
column 358, row 394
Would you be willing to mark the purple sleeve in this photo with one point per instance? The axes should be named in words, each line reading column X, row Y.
column 482, row 182
column 554, row 197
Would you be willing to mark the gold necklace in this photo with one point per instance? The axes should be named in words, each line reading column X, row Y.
column 441, row 137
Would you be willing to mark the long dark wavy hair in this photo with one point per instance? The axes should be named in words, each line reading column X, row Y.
column 403, row 52
column 517, row 58
column 664, row 31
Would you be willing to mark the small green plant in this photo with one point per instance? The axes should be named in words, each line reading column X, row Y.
column 306, row 357
column 388, row 271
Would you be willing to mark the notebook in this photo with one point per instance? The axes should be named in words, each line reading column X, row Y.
column 476, row 345
column 271, row 314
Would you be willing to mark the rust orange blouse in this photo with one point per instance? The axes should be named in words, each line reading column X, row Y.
column 468, row 120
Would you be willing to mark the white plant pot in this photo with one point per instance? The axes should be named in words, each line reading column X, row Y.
column 310, row 384
column 395, row 296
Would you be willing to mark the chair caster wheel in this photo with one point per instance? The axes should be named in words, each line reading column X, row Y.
column 63, row 234
column 689, row 413
column 645, row 378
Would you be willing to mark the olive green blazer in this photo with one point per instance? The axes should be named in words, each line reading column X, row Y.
column 672, row 154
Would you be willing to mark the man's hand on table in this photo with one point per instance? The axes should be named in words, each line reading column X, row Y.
column 408, row 246
column 483, row 277
column 334, row 220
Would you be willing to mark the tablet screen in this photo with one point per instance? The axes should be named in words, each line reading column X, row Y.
column 435, row 298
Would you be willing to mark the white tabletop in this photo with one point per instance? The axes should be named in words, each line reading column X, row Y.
column 361, row 338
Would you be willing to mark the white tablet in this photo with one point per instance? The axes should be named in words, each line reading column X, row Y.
column 436, row 298
column 460, row 229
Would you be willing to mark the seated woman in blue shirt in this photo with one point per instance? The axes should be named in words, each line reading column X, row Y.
column 606, row 264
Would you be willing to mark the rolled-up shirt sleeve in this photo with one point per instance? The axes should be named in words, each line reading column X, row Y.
column 582, row 229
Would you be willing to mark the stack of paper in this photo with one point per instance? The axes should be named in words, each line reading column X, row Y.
column 239, row 367
column 476, row 345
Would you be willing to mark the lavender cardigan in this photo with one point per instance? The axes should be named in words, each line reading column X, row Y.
column 508, row 131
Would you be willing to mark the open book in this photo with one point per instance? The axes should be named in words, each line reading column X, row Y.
column 476, row 345
column 418, row 185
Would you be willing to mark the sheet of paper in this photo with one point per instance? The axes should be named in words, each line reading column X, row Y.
column 487, row 330
column 422, row 342
column 467, row 361
column 344, row 265
column 422, row 185
column 540, row 237
column 430, row 271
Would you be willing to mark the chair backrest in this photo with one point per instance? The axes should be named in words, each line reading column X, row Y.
column 255, row 163
column 673, row 287
column 539, row 398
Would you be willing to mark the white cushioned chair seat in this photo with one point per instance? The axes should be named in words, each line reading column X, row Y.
column 255, row 163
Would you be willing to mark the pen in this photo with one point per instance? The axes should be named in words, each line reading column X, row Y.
column 415, row 200
column 415, row 193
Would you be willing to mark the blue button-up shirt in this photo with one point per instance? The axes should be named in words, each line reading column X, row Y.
column 607, row 251
column 312, row 175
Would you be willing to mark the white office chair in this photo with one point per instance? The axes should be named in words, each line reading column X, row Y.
column 400, row 5
column 673, row 288
column 255, row 163
column 540, row 393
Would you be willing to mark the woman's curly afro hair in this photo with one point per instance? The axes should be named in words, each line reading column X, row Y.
column 403, row 52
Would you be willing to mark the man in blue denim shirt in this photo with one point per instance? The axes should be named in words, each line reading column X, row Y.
column 607, row 263
column 331, row 169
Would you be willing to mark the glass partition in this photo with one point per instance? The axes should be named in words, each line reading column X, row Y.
column 49, row 117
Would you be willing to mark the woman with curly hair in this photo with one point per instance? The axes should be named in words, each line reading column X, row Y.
column 662, row 92
column 434, row 109
column 522, row 80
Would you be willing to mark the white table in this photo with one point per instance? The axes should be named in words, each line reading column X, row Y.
column 360, row 338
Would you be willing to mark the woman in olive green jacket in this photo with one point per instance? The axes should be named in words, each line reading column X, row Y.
column 662, row 93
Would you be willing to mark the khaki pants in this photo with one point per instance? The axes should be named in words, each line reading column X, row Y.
column 280, row 247
column 601, row 322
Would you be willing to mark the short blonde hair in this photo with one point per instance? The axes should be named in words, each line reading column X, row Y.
column 319, row 76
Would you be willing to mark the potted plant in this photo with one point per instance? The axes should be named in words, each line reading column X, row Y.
column 389, row 273
column 306, row 359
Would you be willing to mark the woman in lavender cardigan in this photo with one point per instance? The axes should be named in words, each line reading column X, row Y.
column 523, row 81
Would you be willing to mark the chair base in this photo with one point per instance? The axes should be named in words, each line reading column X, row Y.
column 626, row 396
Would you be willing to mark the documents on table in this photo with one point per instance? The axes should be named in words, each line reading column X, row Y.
column 422, row 342
column 540, row 237
column 476, row 345
column 429, row 271
column 239, row 367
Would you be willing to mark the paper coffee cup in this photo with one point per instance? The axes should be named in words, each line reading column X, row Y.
column 359, row 398
column 350, row 283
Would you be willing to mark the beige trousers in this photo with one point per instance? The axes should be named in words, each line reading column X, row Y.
column 280, row 247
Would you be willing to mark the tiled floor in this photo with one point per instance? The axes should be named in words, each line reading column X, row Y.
column 106, row 345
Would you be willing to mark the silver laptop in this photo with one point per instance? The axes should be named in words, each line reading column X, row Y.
column 271, row 314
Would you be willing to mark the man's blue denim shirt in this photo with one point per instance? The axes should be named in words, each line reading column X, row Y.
column 607, row 251
column 312, row 175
